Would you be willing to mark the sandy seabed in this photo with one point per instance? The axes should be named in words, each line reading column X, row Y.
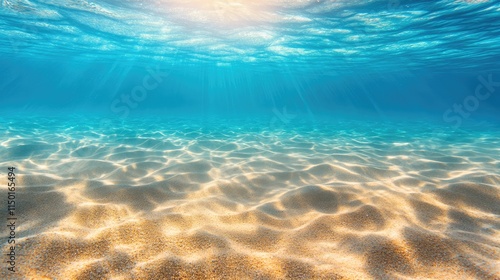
column 240, row 204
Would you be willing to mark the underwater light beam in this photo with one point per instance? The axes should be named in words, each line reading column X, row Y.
column 220, row 13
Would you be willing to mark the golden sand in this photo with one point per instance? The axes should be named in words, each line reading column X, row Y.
column 291, row 211
column 85, row 231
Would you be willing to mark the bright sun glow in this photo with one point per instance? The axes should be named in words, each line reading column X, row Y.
column 221, row 13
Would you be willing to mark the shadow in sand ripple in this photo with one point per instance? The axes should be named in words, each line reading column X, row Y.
column 26, row 151
column 176, row 200
column 482, row 197
column 311, row 198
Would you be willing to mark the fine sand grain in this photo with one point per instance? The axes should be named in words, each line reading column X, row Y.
column 248, row 205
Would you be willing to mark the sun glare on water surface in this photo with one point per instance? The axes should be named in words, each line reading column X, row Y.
column 221, row 13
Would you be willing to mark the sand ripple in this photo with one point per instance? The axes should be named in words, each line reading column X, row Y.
column 160, row 202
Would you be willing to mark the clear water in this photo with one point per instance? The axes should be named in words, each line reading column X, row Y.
column 379, row 58
column 342, row 134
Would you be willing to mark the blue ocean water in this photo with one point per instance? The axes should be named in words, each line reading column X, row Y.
column 308, row 139
column 348, row 58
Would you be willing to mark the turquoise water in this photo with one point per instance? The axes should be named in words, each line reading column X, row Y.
column 234, row 139
column 313, row 139
column 374, row 59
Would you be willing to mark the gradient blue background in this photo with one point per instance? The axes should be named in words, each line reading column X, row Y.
column 445, row 47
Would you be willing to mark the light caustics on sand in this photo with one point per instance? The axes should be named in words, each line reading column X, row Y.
column 172, row 199
column 271, row 198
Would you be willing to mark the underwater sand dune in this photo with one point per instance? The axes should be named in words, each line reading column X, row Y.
column 250, row 205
